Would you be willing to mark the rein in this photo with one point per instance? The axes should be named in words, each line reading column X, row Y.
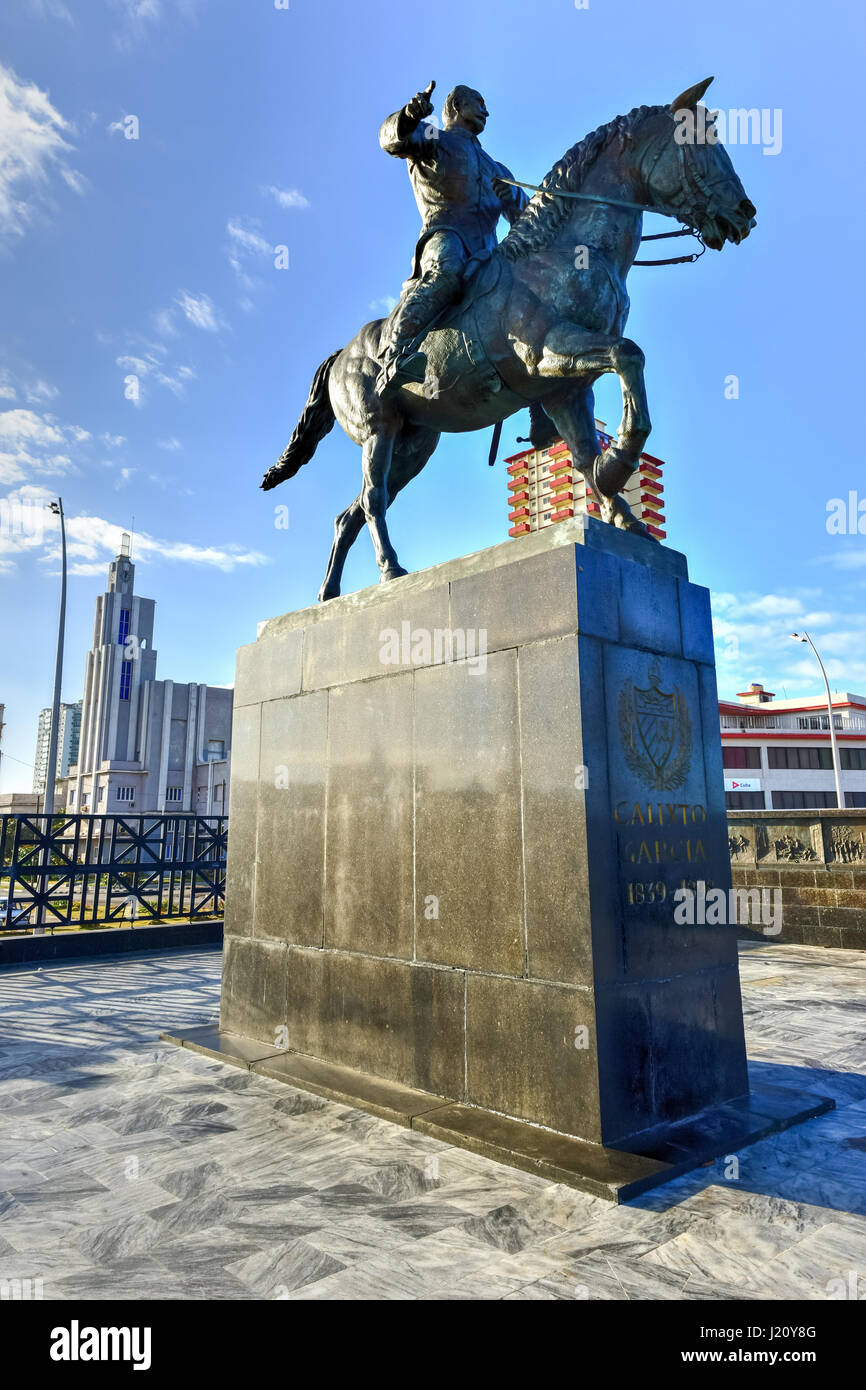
column 633, row 207
column 675, row 260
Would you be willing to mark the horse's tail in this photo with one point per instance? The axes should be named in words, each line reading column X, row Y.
column 317, row 420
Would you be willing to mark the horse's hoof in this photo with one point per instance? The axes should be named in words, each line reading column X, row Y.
column 392, row 572
column 326, row 592
column 634, row 526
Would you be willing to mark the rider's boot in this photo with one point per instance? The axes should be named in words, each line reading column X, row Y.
column 418, row 309
column 400, row 365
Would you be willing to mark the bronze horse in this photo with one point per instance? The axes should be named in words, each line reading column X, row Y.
column 541, row 320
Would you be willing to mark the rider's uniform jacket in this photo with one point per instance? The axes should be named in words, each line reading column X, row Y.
column 452, row 179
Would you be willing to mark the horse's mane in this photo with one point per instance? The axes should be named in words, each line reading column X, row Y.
column 543, row 216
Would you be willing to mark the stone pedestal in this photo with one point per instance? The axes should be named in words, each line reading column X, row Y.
column 461, row 806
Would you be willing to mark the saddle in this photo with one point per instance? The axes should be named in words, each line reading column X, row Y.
column 481, row 276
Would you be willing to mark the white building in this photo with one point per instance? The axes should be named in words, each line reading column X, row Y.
column 67, row 744
column 146, row 744
column 777, row 754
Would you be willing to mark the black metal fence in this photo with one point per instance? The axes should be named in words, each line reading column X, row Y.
column 82, row 871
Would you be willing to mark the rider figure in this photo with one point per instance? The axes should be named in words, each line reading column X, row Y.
column 461, row 194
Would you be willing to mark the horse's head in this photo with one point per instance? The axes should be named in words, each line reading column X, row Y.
column 689, row 175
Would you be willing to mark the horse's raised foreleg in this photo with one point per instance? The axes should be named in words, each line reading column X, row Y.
column 347, row 528
column 574, row 416
column 378, row 450
column 570, row 351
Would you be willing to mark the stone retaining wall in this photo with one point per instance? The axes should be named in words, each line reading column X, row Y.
column 817, row 859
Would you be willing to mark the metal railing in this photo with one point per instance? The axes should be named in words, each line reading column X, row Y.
column 82, row 870
column 750, row 721
column 797, row 723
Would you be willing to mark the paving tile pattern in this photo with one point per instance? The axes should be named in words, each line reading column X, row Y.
column 133, row 1169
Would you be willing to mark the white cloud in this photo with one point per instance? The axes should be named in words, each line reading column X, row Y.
column 200, row 310
column 849, row 560
column 153, row 368
column 287, row 197
column 77, row 182
column 83, row 570
column 164, row 323
column 753, row 642
column 51, row 9
column 25, row 521
column 35, row 390
column 246, row 244
column 138, row 18
column 383, row 305
column 248, row 238
column 40, row 391
column 25, row 427
column 32, row 144
column 92, row 542
column 171, row 444
column 113, row 441
column 761, row 605
column 31, row 443
column 16, row 466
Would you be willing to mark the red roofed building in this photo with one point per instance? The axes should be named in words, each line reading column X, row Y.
column 544, row 487
column 777, row 754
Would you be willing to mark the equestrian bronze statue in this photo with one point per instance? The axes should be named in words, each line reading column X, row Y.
column 541, row 316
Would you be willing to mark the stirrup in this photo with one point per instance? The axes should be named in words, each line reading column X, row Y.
column 402, row 370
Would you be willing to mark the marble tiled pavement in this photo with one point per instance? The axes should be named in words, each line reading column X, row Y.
column 133, row 1169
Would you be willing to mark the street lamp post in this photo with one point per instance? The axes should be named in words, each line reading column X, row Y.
column 51, row 771
column 57, row 509
column 837, row 772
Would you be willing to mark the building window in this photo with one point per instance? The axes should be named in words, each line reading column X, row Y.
column 740, row 757
column 855, row 798
column 123, row 631
column 744, row 801
column 100, row 794
column 125, row 793
column 173, row 793
column 216, row 750
column 820, row 721
column 125, row 679
column 803, row 801
column 810, row 759
column 853, row 759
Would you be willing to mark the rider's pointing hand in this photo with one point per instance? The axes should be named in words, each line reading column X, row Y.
column 421, row 105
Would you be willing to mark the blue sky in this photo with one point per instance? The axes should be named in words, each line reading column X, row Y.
column 258, row 128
